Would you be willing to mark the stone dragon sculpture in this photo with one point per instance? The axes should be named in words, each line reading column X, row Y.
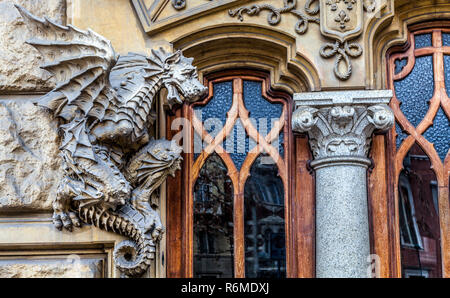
column 104, row 107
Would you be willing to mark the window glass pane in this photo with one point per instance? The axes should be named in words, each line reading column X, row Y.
column 400, row 64
column 213, row 221
column 415, row 91
column 265, row 247
column 262, row 114
column 446, row 39
column 259, row 107
column 237, row 144
column 214, row 113
column 423, row 40
column 217, row 107
column 401, row 135
column 262, row 111
column 439, row 134
column 419, row 217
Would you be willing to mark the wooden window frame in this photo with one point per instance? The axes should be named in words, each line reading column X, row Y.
column 299, row 205
column 389, row 160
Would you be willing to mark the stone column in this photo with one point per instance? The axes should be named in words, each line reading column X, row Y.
column 340, row 127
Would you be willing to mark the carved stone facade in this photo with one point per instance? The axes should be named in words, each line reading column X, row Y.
column 86, row 159
column 339, row 20
column 104, row 107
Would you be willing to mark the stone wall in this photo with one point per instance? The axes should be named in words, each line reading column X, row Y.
column 19, row 71
column 29, row 161
column 63, row 267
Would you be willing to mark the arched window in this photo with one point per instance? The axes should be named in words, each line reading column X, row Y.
column 420, row 77
column 236, row 202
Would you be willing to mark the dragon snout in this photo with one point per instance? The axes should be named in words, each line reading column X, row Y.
column 198, row 92
column 122, row 193
column 202, row 91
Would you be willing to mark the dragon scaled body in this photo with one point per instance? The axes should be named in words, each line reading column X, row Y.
column 104, row 106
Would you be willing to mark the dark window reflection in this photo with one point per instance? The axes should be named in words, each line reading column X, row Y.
column 419, row 217
column 265, row 247
column 213, row 221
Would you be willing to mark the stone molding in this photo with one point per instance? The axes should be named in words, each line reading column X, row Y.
column 153, row 21
column 341, row 124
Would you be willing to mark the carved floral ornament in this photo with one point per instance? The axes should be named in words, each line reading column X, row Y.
column 343, row 129
column 339, row 20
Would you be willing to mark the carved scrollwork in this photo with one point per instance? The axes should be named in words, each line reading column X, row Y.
column 274, row 15
column 381, row 117
column 304, row 119
column 343, row 53
column 369, row 5
column 347, row 15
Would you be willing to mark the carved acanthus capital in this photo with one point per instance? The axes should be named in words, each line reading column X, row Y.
column 342, row 123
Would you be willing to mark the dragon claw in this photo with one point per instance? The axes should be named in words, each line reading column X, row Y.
column 157, row 233
column 66, row 220
column 157, row 228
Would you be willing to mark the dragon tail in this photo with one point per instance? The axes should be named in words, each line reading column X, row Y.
column 132, row 257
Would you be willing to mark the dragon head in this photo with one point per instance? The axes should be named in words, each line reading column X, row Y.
column 154, row 162
column 180, row 78
column 167, row 154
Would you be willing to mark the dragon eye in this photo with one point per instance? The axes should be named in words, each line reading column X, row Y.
column 189, row 71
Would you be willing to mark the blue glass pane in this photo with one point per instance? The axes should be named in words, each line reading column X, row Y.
column 237, row 144
column 401, row 136
column 198, row 145
column 262, row 115
column 423, row 40
column 446, row 39
column 400, row 64
column 447, row 73
column 214, row 113
column 281, row 144
column 260, row 109
column 439, row 134
column 416, row 90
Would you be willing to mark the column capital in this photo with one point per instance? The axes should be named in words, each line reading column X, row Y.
column 341, row 123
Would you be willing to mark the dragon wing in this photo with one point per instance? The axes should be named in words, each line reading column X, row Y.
column 135, row 78
column 81, row 62
column 93, row 84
